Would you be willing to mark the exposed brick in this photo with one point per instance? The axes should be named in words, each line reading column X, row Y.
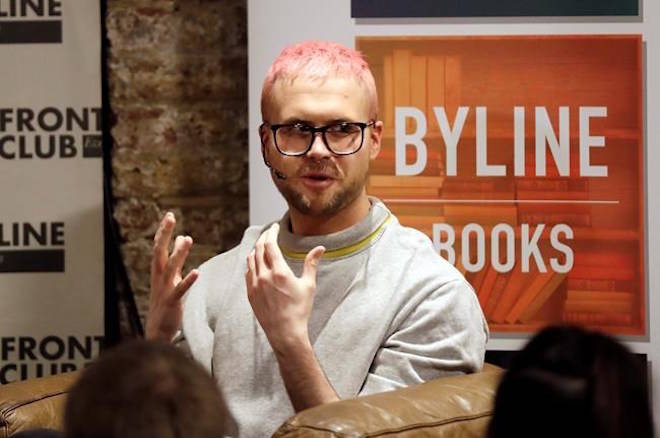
column 184, row 25
column 137, row 218
column 137, row 258
column 177, row 72
column 212, row 227
column 164, row 129
column 138, row 29
column 185, row 174
column 212, row 25
column 167, row 76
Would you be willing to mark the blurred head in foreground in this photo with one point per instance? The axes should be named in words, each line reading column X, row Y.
column 144, row 389
column 571, row 382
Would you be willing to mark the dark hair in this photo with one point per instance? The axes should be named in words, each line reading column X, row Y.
column 144, row 389
column 571, row 382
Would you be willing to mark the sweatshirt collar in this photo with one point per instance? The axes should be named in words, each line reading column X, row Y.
column 340, row 244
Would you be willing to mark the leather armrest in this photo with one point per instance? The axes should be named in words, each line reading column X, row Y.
column 455, row 406
column 34, row 403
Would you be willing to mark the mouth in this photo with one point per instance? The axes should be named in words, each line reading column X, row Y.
column 317, row 176
column 317, row 180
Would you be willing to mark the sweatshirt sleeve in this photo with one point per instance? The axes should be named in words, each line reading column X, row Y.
column 196, row 337
column 202, row 305
column 444, row 333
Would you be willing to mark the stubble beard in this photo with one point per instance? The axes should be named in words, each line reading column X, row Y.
column 299, row 201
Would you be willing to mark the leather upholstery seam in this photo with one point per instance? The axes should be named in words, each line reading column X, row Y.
column 11, row 408
column 407, row 428
column 429, row 424
column 318, row 429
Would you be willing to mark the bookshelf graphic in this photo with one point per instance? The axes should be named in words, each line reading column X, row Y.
column 521, row 157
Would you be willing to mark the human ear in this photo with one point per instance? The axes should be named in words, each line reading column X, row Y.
column 375, row 135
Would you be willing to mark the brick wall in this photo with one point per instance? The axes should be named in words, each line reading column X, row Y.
column 177, row 72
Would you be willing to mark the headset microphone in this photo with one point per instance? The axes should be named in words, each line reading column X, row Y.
column 279, row 175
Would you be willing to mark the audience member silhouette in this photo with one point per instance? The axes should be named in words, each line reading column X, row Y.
column 571, row 382
column 142, row 390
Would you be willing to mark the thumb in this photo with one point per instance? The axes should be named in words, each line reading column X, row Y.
column 311, row 262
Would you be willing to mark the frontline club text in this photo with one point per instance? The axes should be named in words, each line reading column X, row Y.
column 27, row 133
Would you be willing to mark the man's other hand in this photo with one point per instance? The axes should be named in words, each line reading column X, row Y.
column 281, row 301
column 167, row 285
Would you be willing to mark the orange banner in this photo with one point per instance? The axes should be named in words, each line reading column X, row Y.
column 521, row 158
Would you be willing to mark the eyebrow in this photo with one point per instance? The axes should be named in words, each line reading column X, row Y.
column 294, row 120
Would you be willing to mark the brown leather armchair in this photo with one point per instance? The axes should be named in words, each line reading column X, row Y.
column 457, row 406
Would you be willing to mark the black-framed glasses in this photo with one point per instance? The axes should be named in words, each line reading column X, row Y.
column 296, row 139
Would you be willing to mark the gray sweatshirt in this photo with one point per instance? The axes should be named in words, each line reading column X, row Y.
column 388, row 312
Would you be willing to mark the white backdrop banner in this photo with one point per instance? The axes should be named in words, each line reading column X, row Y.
column 51, row 193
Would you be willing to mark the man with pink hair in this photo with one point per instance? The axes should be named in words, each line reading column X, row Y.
column 334, row 300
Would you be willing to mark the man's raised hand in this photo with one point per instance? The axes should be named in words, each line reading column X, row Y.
column 282, row 304
column 281, row 301
column 167, row 285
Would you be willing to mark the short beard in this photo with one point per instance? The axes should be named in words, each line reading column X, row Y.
column 339, row 200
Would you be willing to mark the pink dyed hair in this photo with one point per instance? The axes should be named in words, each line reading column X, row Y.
column 317, row 60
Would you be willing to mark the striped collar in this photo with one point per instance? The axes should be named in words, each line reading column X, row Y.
column 340, row 244
column 345, row 250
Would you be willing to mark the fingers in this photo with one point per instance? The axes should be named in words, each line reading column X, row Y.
column 181, row 250
column 266, row 259
column 311, row 263
column 183, row 286
column 259, row 261
column 273, row 254
column 162, row 242
column 251, row 274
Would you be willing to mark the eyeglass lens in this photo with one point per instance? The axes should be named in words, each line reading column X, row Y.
column 341, row 138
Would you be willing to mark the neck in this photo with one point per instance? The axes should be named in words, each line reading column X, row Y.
column 306, row 225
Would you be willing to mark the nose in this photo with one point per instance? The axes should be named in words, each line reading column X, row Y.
column 318, row 149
